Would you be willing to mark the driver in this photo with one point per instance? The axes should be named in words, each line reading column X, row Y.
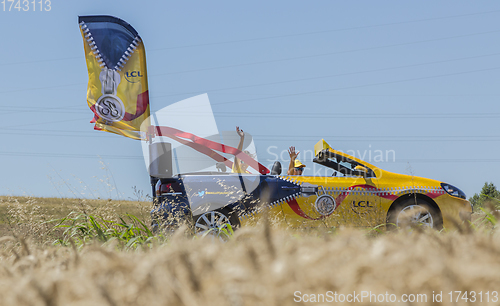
column 295, row 167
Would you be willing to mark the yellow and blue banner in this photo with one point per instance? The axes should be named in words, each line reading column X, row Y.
column 117, row 91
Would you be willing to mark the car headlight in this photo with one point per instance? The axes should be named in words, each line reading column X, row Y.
column 453, row 191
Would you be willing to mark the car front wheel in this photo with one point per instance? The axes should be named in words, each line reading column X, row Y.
column 413, row 213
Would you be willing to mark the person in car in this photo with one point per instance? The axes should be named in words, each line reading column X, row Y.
column 295, row 167
column 240, row 166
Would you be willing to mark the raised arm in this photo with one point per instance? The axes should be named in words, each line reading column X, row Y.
column 293, row 156
column 237, row 166
column 242, row 137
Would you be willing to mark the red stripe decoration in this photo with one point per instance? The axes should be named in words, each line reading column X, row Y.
column 386, row 195
column 207, row 151
column 141, row 107
column 96, row 116
column 296, row 209
column 201, row 145
column 434, row 195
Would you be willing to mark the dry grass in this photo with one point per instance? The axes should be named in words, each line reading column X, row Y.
column 261, row 265
column 26, row 216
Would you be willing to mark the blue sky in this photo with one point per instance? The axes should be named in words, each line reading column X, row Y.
column 416, row 78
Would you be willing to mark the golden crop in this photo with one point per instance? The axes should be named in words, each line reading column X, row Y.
column 260, row 265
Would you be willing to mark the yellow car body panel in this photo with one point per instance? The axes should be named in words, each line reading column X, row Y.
column 363, row 200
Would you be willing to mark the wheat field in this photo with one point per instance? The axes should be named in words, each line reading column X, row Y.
column 261, row 265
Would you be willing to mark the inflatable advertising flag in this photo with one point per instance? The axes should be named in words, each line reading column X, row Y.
column 117, row 92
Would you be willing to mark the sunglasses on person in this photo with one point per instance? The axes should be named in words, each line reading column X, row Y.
column 299, row 168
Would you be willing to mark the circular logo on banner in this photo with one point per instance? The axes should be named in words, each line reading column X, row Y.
column 325, row 204
column 110, row 108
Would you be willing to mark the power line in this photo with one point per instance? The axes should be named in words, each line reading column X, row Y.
column 62, row 155
column 352, row 116
column 271, row 83
column 41, row 123
column 328, row 54
column 275, row 37
column 379, row 136
column 280, row 115
column 328, row 31
column 359, row 86
column 41, row 88
column 296, row 140
column 324, row 90
column 41, row 61
column 287, row 59
column 122, row 157
column 276, row 137
column 334, row 75
column 446, row 160
column 25, row 109
column 195, row 93
column 96, row 135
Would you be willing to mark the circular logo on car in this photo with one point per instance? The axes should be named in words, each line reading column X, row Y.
column 110, row 108
column 325, row 204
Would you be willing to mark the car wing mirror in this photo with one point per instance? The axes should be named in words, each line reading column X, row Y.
column 276, row 169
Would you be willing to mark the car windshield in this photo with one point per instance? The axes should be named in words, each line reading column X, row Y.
column 343, row 165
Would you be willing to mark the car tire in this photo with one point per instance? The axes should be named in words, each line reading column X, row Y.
column 414, row 212
column 212, row 222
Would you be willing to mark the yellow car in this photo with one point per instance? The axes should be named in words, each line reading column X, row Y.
column 361, row 194
column 358, row 194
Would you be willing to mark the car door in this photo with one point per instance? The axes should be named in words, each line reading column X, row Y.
column 359, row 203
column 349, row 197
